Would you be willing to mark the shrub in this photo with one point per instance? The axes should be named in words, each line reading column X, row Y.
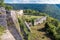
column 53, row 30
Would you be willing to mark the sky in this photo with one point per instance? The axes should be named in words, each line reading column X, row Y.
column 34, row 1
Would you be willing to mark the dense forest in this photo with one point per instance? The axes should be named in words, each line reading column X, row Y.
column 50, row 9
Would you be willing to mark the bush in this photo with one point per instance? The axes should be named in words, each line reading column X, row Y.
column 34, row 12
column 32, row 20
column 55, row 23
column 53, row 30
column 7, row 7
column 2, row 3
column 23, row 27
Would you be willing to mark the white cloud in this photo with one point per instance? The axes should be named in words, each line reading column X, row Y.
column 37, row 1
column 51, row 1
column 14, row 1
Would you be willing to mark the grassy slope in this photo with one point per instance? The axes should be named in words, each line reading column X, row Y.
column 54, row 23
column 1, row 30
column 30, row 17
column 22, row 22
column 37, row 35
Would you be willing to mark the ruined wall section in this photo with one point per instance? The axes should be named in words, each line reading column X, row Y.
column 3, row 21
column 15, row 20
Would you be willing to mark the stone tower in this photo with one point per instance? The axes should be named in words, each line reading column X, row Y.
column 3, row 21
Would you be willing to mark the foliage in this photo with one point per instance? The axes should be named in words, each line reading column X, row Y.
column 23, row 28
column 36, row 34
column 7, row 7
column 34, row 12
column 52, row 25
column 22, row 25
column 53, row 28
column 53, row 21
column 2, row 3
column 32, row 20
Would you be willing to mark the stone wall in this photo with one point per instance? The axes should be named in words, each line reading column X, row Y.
column 15, row 19
column 40, row 20
column 13, row 24
column 3, row 21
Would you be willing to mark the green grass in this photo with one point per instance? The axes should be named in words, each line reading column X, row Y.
column 29, row 18
column 37, row 35
column 53, row 26
column 24, row 31
column 34, row 34
column 1, row 30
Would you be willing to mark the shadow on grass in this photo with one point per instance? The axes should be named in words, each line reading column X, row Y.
column 49, row 35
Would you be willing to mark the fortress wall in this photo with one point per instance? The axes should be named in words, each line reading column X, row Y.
column 15, row 20
column 3, row 21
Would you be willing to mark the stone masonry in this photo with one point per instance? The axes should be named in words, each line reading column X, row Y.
column 3, row 21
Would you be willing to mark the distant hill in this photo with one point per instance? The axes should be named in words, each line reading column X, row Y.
column 51, row 9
